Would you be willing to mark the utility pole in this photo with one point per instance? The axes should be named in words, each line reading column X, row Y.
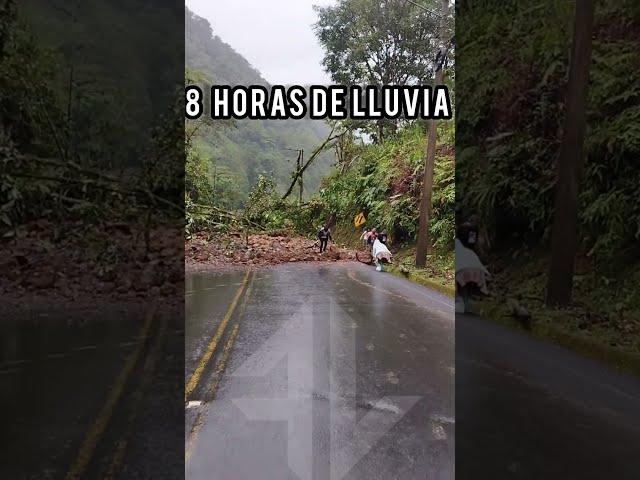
column 297, row 176
column 300, row 182
column 564, row 233
column 427, row 182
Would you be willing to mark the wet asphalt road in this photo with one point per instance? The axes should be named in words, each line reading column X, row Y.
column 335, row 371
column 90, row 391
column 381, row 347
column 528, row 409
column 333, row 363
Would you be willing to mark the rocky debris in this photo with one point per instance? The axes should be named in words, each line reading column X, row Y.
column 364, row 257
column 40, row 280
column 229, row 251
column 75, row 262
column 78, row 262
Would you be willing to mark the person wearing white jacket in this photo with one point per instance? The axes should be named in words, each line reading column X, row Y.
column 469, row 271
column 381, row 254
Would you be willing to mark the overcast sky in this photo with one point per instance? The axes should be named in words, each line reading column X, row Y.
column 275, row 36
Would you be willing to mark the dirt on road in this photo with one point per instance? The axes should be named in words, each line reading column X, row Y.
column 215, row 252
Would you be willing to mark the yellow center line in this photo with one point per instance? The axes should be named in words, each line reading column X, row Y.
column 97, row 428
column 217, row 376
column 221, row 365
column 147, row 377
column 226, row 352
column 204, row 361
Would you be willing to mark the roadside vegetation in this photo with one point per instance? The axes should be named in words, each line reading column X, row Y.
column 384, row 181
column 511, row 120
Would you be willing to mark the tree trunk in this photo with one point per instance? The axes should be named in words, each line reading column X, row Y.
column 427, row 182
column 564, row 234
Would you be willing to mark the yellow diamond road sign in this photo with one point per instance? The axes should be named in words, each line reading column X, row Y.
column 359, row 220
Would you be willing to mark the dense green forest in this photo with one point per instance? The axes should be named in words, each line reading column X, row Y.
column 245, row 149
column 510, row 127
column 106, row 78
column 78, row 109
column 510, row 123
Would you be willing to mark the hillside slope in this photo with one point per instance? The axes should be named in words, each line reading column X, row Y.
column 251, row 147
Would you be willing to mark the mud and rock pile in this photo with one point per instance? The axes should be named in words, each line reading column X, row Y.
column 75, row 263
column 257, row 250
